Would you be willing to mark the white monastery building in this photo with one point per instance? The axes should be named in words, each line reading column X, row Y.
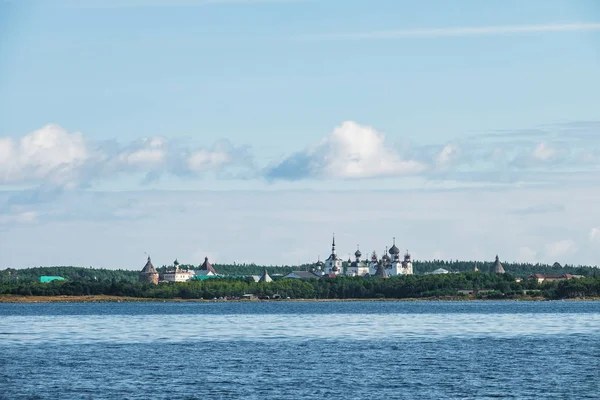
column 391, row 263
column 177, row 274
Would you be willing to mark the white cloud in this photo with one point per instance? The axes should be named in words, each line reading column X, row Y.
column 449, row 153
column 203, row 160
column 49, row 153
column 25, row 217
column 595, row 235
column 527, row 254
column 152, row 151
column 357, row 151
column 53, row 156
column 561, row 248
column 543, row 152
column 144, row 156
column 350, row 151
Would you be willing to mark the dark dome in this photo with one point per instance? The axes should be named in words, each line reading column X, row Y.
column 335, row 268
column 357, row 253
column 385, row 257
column 394, row 250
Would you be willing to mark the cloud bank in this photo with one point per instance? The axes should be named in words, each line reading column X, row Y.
column 462, row 31
column 557, row 154
column 53, row 156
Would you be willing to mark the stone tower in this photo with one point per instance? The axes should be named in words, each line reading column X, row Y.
column 497, row 268
column 149, row 274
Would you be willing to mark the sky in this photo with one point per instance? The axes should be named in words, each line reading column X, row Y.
column 253, row 130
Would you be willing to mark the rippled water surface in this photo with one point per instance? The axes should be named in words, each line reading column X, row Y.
column 282, row 350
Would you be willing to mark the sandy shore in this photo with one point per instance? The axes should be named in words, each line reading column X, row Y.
column 104, row 298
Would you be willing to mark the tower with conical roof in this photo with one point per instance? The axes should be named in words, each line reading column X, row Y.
column 497, row 268
column 265, row 277
column 381, row 272
column 149, row 274
column 206, row 268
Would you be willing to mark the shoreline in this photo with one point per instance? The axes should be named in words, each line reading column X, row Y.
column 124, row 299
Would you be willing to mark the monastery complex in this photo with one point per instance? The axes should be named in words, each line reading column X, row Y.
column 390, row 264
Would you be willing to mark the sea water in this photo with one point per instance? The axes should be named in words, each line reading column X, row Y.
column 300, row 350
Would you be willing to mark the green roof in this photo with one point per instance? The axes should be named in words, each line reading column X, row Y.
column 205, row 277
column 46, row 279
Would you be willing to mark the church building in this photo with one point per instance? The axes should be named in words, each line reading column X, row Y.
column 333, row 264
column 390, row 264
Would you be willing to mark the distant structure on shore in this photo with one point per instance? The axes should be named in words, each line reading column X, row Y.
column 498, row 268
column 149, row 274
column 388, row 265
column 265, row 277
column 177, row 274
column 206, row 269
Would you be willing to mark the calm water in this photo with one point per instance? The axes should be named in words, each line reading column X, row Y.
column 370, row 350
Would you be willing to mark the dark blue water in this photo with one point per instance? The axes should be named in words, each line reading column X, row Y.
column 370, row 350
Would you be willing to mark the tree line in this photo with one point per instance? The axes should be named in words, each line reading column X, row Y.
column 419, row 268
column 397, row 287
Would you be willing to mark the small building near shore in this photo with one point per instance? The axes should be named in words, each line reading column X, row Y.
column 438, row 271
column 47, row 279
column 177, row 274
column 206, row 269
column 552, row 277
column 301, row 275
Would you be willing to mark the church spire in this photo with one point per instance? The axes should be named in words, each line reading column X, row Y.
column 333, row 245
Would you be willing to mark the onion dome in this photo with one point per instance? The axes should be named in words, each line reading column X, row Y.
column 385, row 257
column 357, row 253
column 394, row 250
column 175, row 262
column 497, row 268
column 374, row 257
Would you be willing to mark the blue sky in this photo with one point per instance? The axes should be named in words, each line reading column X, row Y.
column 115, row 114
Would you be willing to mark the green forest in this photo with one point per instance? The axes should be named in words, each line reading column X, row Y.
column 94, row 281
column 11, row 275
column 398, row 287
